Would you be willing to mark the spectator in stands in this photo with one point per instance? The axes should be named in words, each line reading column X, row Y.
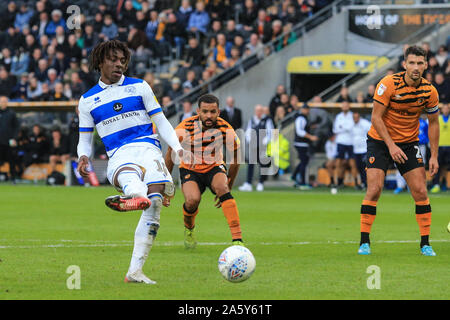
column 174, row 34
column 72, row 48
column 231, row 114
column 198, row 21
column 276, row 30
column 285, row 103
column 442, row 57
column 86, row 76
column 302, row 140
column 8, row 16
column 9, row 128
column 23, row 17
column 344, row 95
column 34, row 89
column 235, row 57
column 306, row 8
column 59, row 149
column 426, row 46
column 253, row 46
column 52, row 76
column 191, row 79
column 442, row 86
column 57, row 20
column 60, row 37
column 276, row 99
column 288, row 38
column 262, row 26
column 248, row 15
column 184, row 12
column 58, row 93
column 73, row 67
column 7, row 82
column 31, row 44
column 109, row 29
column 280, row 114
column 222, row 50
column 230, row 31
column 42, row 70
column 13, row 39
column 257, row 135
column 239, row 43
column 360, row 97
column 40, row 26
column 342, row 127
column 60, row 63
column 20, row 89
column 90, row 39
column 175, row 89
column 370, row 93
column 127, row 16
column 359, row 132
column 6, row 59
column 37, row 149
column 188, row 111
column 45, row 93
column 77, row 87
column 194, row 56
column 219, row 9
column 20, row 62
column 293, row 103
column 152, row 27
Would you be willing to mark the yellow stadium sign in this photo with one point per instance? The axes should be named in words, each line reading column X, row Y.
column 335, row 63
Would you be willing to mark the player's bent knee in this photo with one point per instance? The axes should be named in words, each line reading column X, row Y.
column 191, row 204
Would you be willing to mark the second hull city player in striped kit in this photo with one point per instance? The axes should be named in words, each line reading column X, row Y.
column 399, row 100
column 124, row 111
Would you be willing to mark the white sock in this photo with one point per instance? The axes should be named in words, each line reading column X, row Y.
column 146, row 231
column 131, row 184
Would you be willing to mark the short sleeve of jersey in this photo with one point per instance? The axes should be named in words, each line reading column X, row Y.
column 150, row 102
column 86, row 122
column 433, row 102
column 384, row 90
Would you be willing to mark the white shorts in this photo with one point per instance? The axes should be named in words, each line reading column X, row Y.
column 145, row 155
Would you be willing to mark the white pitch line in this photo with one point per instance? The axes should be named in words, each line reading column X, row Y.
column 125, row 243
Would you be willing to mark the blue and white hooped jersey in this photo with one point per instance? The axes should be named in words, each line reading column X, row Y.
column 121, row 113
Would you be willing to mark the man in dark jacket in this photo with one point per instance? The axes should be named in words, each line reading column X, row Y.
column 231, row 114
column 9, row 127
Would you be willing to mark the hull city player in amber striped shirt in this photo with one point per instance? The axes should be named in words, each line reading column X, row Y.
column 399, row 100
column 205, row 135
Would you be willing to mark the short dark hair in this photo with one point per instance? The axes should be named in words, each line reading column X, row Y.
column 102, row 50
column 415, row 50
column 208, row 98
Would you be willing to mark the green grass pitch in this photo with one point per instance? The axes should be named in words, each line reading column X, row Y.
column 305, row 246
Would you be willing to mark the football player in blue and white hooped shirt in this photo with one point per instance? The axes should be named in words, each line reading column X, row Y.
column 125, row 112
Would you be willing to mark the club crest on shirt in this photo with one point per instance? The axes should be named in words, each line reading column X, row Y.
column 420, row 100
column 130, row 90
column 381, row 89
column 117, row 106
column 372, row 160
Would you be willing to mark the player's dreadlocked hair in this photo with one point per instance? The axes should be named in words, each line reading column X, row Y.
column 103, row 50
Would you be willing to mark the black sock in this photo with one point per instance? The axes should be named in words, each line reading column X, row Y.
column 340, row 181
column 364, row 238
column 424, row 241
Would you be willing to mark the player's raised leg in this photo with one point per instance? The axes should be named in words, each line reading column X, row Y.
column 129, row 180
column 145, row 234
column 192, row 198
column 416, row 181
column 375, row 182
column 219, row 184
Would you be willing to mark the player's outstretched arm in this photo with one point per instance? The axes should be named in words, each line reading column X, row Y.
column 433, row 135
column 377, row 121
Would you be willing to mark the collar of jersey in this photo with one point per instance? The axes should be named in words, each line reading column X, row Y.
column 118, row 83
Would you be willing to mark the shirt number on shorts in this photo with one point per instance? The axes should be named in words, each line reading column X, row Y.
column 418, row 154
column 162, row 167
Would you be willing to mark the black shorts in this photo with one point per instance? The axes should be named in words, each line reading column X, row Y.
column 344, row 151
column 203, row 180
column 378, row 156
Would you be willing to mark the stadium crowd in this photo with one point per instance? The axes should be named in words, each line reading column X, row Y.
column 44, row 57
